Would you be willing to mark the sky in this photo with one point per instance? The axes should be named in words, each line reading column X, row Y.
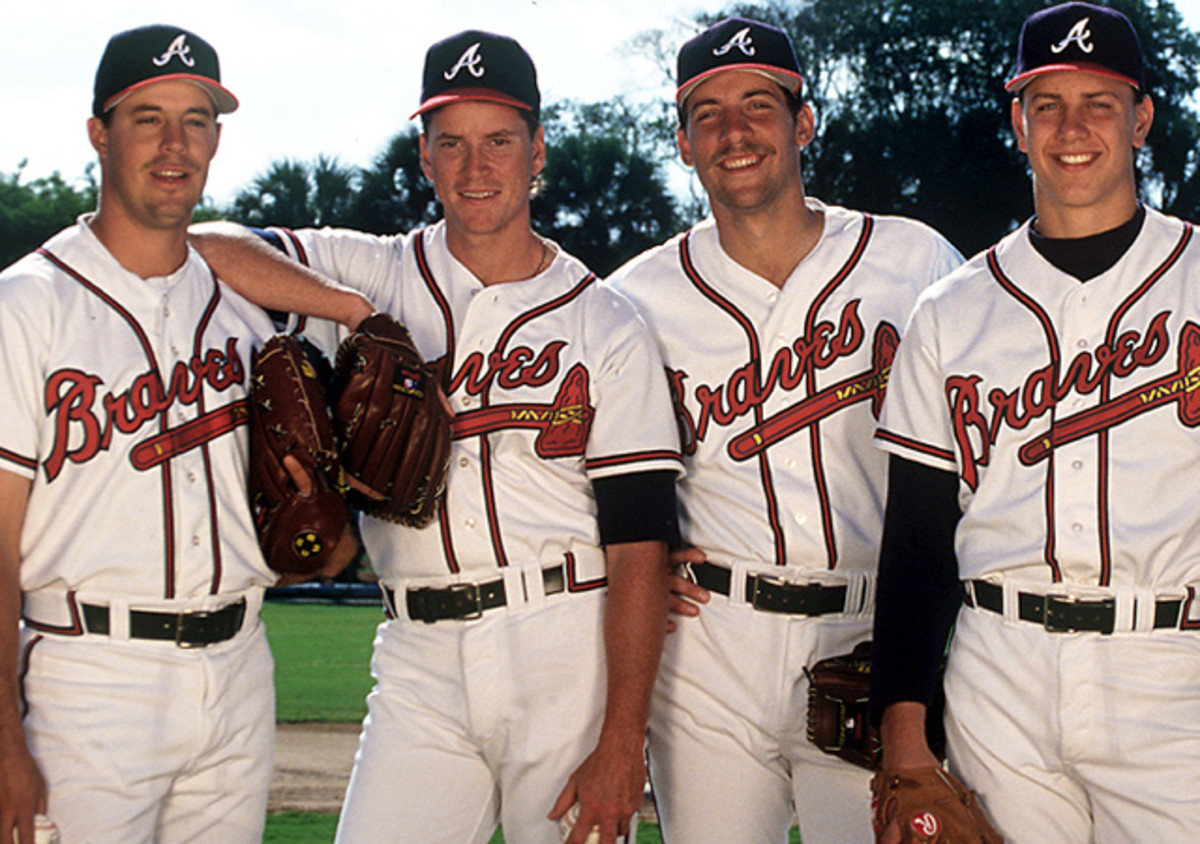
column 332, row 77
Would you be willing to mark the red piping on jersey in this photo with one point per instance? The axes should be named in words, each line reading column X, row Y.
column 1105, row 528
column 748, row 329
column 574, row 584
column 743, row 322
column 810, row 379
column 26, row 660
column 485, row 453
column 302, row 257
column 439, row 299
column 632, row 457
column 75, row 628
column 443, row 306
column 25, row 462
column 214, row 526
column 1049, row 554
column 168, row 508
column 914, row 445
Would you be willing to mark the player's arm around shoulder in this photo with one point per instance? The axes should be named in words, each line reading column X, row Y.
column 608, row 784
column 266, row 277
column 22, row 789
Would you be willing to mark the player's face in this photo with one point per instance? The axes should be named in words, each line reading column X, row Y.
column 481, row 159
column 742, row 140
column 1079, row 131
column 155, row 152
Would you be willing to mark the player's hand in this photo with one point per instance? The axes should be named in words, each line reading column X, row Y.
column 608, row 787
column 345, row 550
column 22, row 790
column 685, row 596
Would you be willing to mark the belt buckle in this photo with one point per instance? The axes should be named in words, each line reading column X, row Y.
column 1055, row 603
column 457, row 590
column 180, row 620
column 773, row 580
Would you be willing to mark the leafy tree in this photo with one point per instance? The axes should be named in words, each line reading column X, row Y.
column 30, row 213
column 913, row 118
column 604, row 195
column 298, row 194
column 394, row 195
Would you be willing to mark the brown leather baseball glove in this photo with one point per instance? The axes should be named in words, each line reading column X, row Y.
column 392, row 423
column 289, row 415
column 838, row 721
column 932, row 807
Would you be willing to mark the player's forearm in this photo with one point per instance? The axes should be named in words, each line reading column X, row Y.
column 902, row 732
column 272, row 280
column 634, row 628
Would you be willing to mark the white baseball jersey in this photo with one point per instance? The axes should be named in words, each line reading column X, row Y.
column 552, row 381
column 1068, row 412
column 778, row 390
column 555, row 381
column 124, row 403
column 1066, row 409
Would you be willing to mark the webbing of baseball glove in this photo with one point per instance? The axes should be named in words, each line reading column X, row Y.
column 392, row 424
column 289, row 416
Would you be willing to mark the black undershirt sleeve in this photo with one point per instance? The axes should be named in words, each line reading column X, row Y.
column 918, row 595
column 638, row 507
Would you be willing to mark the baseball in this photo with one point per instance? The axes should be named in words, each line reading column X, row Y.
column 567, row 823
column 44, row 831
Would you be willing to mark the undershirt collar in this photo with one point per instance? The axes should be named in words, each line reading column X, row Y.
column 1085, row 258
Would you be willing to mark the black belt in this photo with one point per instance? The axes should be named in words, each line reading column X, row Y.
column 771, row 594
column 1064, row 614
column 186, row 629
column 463, row 601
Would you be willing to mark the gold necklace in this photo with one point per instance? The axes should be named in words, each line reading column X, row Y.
column 545, row 256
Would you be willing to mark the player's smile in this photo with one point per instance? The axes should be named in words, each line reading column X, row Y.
column 1079, row 131
column 481, row 160
column 740, row 137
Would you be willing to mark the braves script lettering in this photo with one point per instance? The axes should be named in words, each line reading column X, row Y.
column 520, row 367
column 977, row 426
column 71, row 398
column 725, row 403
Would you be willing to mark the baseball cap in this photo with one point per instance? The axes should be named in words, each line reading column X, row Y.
column 476, row 65
column 1078, row 36
column 737, row 44
column 156, row 53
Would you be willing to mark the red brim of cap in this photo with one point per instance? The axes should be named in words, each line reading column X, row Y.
column 487, row 95
column 1018, row 82
column 224, row 101
column 787, row 80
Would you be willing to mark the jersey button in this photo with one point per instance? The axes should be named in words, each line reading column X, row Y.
column 464, row 462
column 469, row 523
column 1077, row 464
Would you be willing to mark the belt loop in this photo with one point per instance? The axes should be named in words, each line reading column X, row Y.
column 524, row 586
column 855, row 587
column 737, row 584
column 1012, row 601
column 1136, row 612
column 118, row 619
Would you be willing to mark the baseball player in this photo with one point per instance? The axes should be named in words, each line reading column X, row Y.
column 1040, row 421
column 525, row 624
column 137, row 698
column 777, row 319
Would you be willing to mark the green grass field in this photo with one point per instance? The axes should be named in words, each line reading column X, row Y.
column 322, row 673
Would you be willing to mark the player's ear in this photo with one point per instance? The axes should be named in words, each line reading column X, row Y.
column 1018, row 124
column 97, row 134
column 426, row 167
column 1143, row 116
column 685, row 148
column 806, row 126
column 539, row 149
